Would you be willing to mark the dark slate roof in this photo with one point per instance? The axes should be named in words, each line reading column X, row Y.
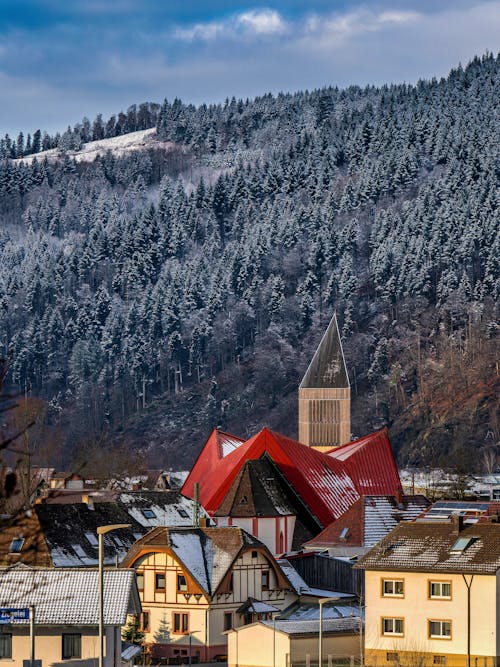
column 256, row 491
column 71, row 537
column 327, row 368
column 347, row 625
column 68, row 530
column 428, row 547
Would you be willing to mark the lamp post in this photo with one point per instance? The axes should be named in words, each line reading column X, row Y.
column 191, row 633
column 322, row 601
column 101, row 531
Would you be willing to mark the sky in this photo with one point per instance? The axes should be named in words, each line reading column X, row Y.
column 61, row 60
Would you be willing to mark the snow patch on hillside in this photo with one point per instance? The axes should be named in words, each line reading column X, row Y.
column 122, row 145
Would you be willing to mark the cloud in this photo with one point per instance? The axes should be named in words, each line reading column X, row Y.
column 255, row 22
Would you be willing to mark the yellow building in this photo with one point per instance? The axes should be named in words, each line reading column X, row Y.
column 65, row 613
column 433, row 595
column 286, row 643
column 196, row 584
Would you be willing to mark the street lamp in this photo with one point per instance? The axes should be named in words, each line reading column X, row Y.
column 101, row 531
column 322, row 601
column 191, row 633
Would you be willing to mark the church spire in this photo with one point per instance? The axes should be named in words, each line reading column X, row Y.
column 325, row 395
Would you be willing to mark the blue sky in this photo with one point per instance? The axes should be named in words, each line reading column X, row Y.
column 61, row 60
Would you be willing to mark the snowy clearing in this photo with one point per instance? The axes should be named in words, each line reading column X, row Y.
column 122, row 145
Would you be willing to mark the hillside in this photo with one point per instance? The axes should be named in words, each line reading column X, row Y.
column 182, row 278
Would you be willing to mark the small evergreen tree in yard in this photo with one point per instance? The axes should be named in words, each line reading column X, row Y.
column 162, row 634
column 132, row 632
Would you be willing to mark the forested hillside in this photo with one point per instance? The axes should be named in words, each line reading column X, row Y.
column 152, row 296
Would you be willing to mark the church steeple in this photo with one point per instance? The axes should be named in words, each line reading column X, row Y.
column 325, row 395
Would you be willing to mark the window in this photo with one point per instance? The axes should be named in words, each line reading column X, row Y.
column 159, row 582
column 231, row 583
column 139, row 576
column 393, row 588
column 254, row 554
column 5, row 645
column 16, row 545
column 181, row 583
column 393, row 626
column 439, row 629
column 440, row 589
column 228, row 621
column 144, row 621
column 183, row 513
column 71, row 646
column 462, row 543
column 344, row 533
column 148, row 514
column 439, row 660
column 92, row 539
column 265, row 580
column 181, row 624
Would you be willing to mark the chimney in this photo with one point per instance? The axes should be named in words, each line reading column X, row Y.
column 204, row 522
column 457, row 521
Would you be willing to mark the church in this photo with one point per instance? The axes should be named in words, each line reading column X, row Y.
column 286, row 492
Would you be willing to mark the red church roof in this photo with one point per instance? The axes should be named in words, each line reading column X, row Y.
column 328, row 483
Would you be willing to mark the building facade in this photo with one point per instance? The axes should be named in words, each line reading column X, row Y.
column 196, row 584
column 433, row 594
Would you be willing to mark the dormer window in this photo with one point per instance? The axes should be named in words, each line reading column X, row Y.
column 344, row 533
column 461, row 544
column 16, row 545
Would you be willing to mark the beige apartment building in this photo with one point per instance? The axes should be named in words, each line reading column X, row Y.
column 433, row 595
column 195, row 584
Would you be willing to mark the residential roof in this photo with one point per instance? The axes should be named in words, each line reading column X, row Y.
column 256, row 491
column 327, row 368
column 65, row 535
column 368, row 520
column 328, row 483
column 428, row 547
column 254, row 606
column 347, row 625
column 70, row 596
column 207, row 553
column 346, row 607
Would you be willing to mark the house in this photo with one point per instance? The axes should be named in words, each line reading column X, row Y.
column 328, row 484
column 325, row 395
column 197, row 583
column 66, row 614
column 281, row 643
column 432, row 590
column 365, row 523
column 65, row 535
column 261, row 502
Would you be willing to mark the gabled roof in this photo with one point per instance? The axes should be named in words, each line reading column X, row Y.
column 327, row 483
column 64, row 535
column 429, row 547
column 70, row 596
column 256, row 491
column 206, row 553
column 369, row 520
column 328, row 368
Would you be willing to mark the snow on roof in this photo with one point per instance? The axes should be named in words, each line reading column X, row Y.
column 158, row 508
column 70, row 597
column 383, row 513
column 301, row 587
column 327, row 483
column 348, row 624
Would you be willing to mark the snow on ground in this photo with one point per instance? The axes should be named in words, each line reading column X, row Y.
column 126, row 143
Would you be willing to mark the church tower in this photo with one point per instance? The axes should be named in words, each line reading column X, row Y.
column 325, row 395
